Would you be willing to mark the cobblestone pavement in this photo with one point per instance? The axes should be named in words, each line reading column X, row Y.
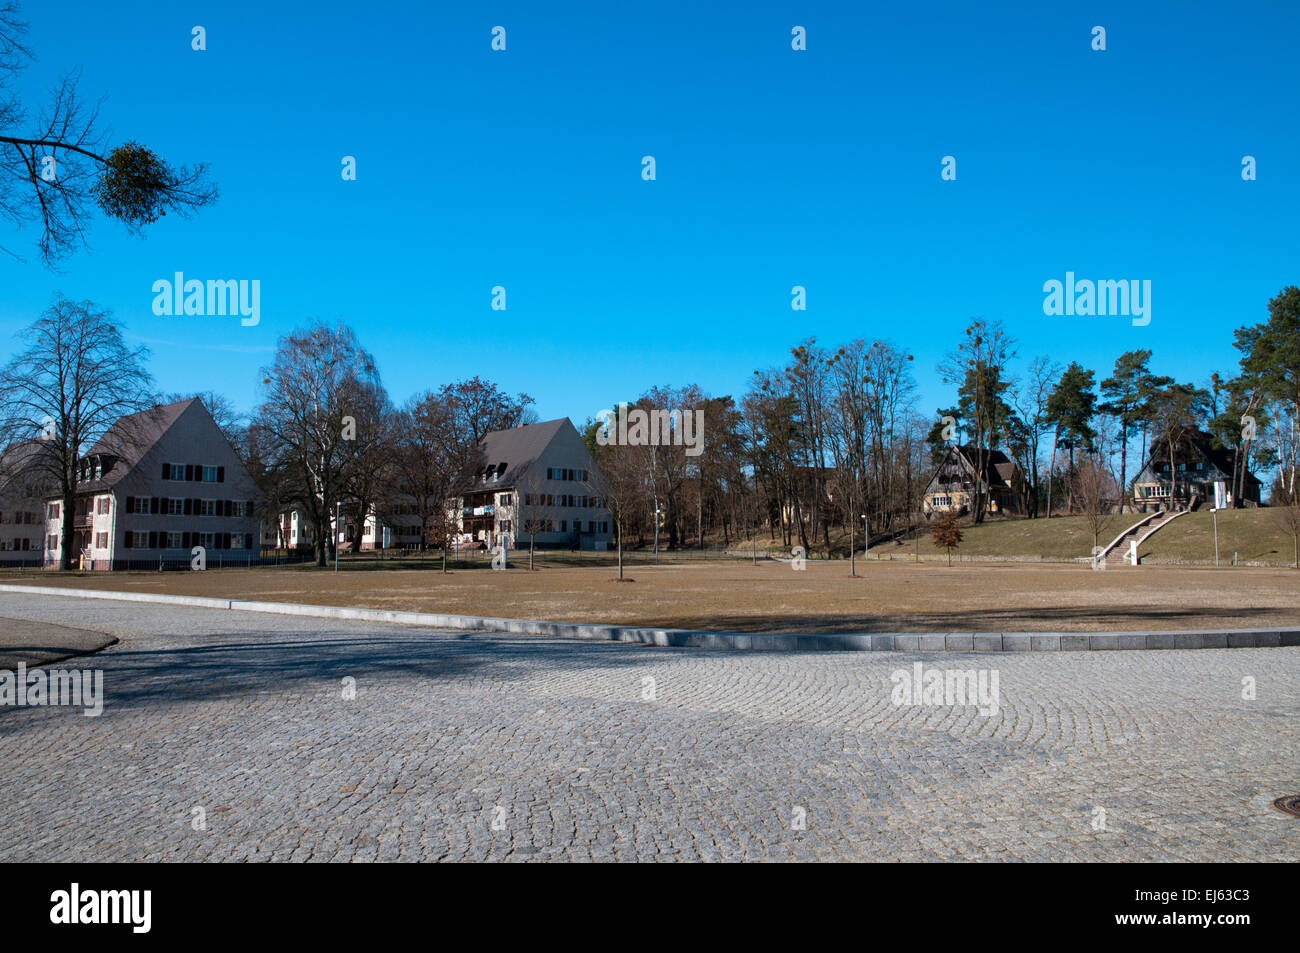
column 229, row 736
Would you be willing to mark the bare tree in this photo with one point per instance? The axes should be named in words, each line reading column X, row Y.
column 620, row 483
column 74, row 380
column 308, row 389
column 56, row 164
column 534, row 507
column 428, row 462
column 369, row 455
column 1095, row 492
column 1284, row 507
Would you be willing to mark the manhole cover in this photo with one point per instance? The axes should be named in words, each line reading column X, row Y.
column 1290, row 804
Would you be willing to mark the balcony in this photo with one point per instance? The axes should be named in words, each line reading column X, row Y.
column 83, row 521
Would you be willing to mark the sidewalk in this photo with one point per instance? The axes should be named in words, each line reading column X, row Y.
column 38, row 643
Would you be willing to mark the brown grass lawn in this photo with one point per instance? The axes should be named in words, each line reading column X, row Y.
column 735, row 596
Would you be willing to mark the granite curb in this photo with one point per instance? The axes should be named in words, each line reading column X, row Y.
column 919, row 642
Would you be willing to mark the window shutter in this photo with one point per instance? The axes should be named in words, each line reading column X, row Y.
column 248, row 540
column 225, row 540
column 166, row 474
column 229, row 508
column 130, row 504
column 153, row 539
column 249, row 511
column 126, row 543
column 188, row 507
column 198, row 472
column 221, row 474
column 185, row 540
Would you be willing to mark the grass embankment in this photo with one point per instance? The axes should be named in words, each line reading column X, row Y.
column 1256, row 536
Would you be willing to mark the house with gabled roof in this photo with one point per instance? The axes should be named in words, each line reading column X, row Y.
column 157, row 484
column 532, row 480
column 1197, row 465
column 23, row 487
column 952, row 488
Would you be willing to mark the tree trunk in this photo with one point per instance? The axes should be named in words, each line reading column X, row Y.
column 69, row 501
column 1051, row 465
column 1173, row 475
column 1123, row 466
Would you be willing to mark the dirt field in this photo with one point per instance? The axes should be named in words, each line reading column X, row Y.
column 735, row 596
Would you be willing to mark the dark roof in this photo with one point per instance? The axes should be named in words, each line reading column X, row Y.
column 1221, row 457
column 509, row 452
column 17, row 464
column 130, row 438
column 998, row 467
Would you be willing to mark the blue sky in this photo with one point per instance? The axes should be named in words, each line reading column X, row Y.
column 775, row 168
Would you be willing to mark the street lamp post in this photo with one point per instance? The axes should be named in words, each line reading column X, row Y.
column 1215, row 511
column 336, row 535
column 853, row 565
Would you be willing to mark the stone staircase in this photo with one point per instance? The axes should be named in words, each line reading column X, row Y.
column 1139, row 532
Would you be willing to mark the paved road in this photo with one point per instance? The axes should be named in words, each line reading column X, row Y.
column 228, row 736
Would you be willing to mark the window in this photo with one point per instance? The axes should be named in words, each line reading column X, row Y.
column 564, row 526
column 236, row 541
column 175, row 506
column 173, row 541
column 239, row 508
column 205, row 540
column 138, row 540
column 101, row 541
column 53, row 511
column 139, row 504
column 52, row 543
column 101, row 505
column 206, row 508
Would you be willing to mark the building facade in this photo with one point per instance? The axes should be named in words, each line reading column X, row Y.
column 1197, row 466
column 952, row 488
column 536, row 484
column 23, row 487
column 157, row 484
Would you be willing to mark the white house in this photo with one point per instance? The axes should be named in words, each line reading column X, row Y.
column 157, row 484
column 533, row 479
